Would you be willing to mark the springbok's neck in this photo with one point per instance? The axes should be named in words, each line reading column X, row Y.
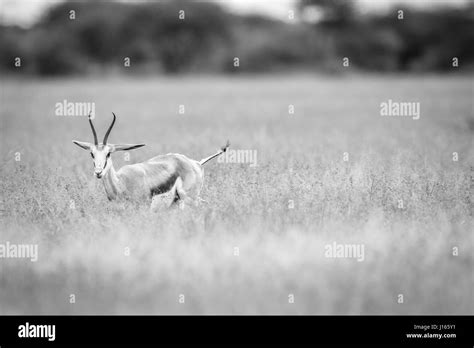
column 111, row 182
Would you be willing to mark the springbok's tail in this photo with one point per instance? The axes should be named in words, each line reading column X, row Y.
column 221, row 151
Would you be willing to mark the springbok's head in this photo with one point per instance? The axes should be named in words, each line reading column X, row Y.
column 101, row 152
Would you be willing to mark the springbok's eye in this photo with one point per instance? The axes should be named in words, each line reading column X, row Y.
column 92, row 155
column 108, row 155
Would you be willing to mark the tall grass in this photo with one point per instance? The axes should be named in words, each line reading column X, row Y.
column 50, row 197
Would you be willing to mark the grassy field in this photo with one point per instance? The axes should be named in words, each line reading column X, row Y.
column 280, row 214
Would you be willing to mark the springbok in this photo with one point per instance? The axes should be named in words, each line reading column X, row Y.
column 174, row 176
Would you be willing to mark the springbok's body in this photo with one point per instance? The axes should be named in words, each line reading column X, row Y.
column 170, row 178
column 173, row 174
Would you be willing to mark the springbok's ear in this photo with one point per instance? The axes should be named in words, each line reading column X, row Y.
column 125, row 147
column 83, row 144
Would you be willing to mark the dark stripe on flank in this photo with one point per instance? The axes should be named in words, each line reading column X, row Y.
column 164, row 186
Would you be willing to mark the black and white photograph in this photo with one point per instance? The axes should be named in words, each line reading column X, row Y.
column 237, row 158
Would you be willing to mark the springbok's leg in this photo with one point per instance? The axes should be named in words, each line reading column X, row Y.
column 162, row 201
column 181, row 193
column 154, row 206
column 183, row 197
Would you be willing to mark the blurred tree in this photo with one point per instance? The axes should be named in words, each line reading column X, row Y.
column 180, row 36
column 334, row 13
column 431, row 38
column 426, row 39
column 10, row 47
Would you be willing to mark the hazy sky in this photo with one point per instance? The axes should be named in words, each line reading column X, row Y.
column 25, row 12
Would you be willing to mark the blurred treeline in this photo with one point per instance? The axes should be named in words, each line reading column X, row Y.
column 103, row 34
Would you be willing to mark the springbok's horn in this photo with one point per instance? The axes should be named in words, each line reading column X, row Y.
column 96, row 142
column 108, row 130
